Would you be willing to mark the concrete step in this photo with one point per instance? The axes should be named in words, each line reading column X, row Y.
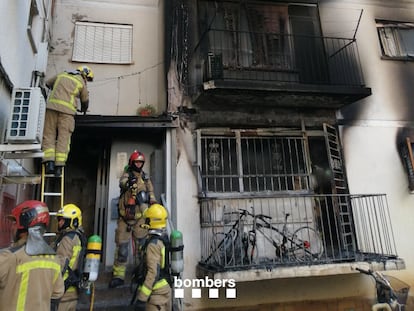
column 104, row 298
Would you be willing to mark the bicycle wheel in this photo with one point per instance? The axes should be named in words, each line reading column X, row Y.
column 227, row 250
column 306, row 244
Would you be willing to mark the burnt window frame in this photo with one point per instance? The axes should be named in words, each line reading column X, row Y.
column 398, row 48
column 243, row 162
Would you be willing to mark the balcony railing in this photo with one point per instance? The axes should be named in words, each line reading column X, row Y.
column 238, row 55
column 294, row 230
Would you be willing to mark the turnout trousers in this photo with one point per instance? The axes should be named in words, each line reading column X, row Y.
column 57, row 133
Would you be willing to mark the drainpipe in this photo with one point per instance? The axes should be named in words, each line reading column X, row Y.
column 168, row 172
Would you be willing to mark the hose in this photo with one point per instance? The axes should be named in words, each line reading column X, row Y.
column 92, row 296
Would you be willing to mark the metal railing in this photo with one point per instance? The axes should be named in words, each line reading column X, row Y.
column 292, row 230
column 238, row 55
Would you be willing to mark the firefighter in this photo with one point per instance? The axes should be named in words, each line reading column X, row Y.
column 154, row 294
column 60, row 110
column 136, row 192
column 30, row 272
column 70, row 246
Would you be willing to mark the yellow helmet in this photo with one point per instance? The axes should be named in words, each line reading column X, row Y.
column 72, row 215
column 86, row 72
column 156, row 216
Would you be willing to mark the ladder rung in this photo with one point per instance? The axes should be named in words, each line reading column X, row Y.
column 52, row 176
column 52, row 194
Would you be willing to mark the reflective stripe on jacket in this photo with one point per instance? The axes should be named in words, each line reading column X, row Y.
column 29, row 282
column 66, row 88
column 155, row 263
column 68, row 250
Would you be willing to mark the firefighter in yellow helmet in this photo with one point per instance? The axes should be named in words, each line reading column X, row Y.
column 154, row 292
column 68, row 246
column 30, row 273
column 61, row 107
column 137, row 192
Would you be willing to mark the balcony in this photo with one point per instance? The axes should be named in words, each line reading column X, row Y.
column 276, row 70
column 295, row 235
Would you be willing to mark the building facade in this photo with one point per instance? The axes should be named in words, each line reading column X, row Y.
column 281, row 129
column 25, row 36
column 285, row 110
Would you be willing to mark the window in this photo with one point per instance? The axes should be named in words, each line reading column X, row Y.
column 248, row 35
column 102, row 43
column 5, row 224
column 242, row 162
column 396, row 39
column 407, row 154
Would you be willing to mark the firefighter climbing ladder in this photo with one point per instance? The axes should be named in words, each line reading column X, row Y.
column 52, row 187
column 340, row 187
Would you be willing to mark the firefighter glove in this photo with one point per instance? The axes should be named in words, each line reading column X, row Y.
column 131, row 182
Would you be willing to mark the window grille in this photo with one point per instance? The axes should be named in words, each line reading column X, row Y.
column 396, row 39
column 245, row 162
column 102, row 43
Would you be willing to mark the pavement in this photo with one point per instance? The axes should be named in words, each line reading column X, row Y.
column 104, row 298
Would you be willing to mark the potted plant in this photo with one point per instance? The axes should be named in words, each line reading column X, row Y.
column 146, row 111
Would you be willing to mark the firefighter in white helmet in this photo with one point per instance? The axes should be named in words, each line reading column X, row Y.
column 61, row 107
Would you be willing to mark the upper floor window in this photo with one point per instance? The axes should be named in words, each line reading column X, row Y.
column 102, row 43
column 396, row 39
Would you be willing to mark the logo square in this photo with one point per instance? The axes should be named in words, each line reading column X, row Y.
column 179, row 293
column 230, row 293
column 196, row 293
column 213, row 293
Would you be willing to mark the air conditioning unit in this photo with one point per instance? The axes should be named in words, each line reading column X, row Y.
column 27, row 116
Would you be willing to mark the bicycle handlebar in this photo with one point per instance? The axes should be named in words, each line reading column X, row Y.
column 245, row 212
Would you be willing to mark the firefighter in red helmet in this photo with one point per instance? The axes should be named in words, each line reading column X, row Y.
column 137, row 192
column 30, row 262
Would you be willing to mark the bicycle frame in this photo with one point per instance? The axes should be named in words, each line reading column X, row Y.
column 230, row 237
column 239, row 247
column 299, row 245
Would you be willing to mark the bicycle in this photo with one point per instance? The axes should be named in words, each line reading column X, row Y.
column 239, row 246
column 303, row 245
column 391, row 293
column 231, row 248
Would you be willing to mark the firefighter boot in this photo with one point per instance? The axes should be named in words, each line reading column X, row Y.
column 115, row 282
column 49, row 167
column 58, row 171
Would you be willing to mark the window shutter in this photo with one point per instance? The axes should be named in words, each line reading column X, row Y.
column 102, row 43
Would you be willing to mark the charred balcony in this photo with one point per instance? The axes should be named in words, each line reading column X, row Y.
column 234, row 68
column 281, row 236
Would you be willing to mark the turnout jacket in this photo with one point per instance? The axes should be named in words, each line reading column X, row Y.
column 143, row 183
column 66, row 87
column 155, row 283
column 68, row 248
column 28, row 282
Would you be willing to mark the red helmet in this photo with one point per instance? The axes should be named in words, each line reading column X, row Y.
column 136, row 156
column 30, row 213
